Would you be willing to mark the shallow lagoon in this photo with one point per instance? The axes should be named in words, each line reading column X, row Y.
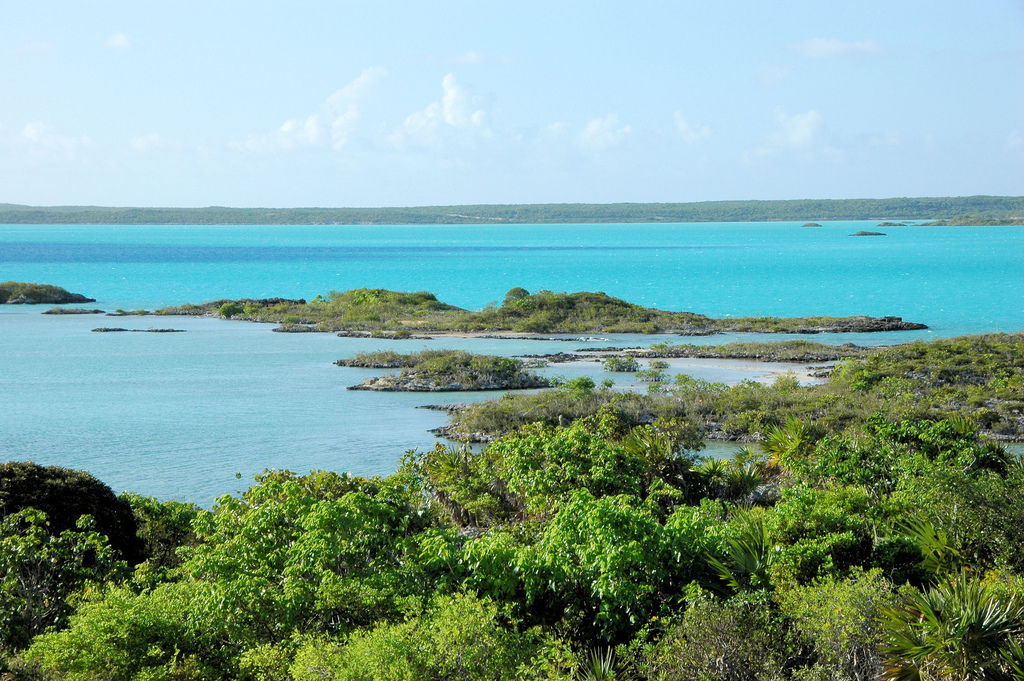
column 177, row 415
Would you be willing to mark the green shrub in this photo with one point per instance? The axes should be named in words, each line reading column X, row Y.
column 43, row 573
column 459, row 637
column 622, row 364
column 65, row 495
column 229, row 310
column 121, row 636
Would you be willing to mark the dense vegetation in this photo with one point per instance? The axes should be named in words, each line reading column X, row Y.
column 776, row 351
column 16, row 292
column 441, row 370
column 588, row 551
column 979, row 377
column 704, row 211
column 977, row 220
column 871, row 534
column 401, row 314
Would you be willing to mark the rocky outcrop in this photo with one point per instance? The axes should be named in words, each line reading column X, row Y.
column 109, row 329
column 863, row 233
column 415, row 382
column 72, row 310
column 296, row 328
column 866, row 325
column 401, row 334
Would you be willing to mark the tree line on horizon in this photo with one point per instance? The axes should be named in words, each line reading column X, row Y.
column 956, row 210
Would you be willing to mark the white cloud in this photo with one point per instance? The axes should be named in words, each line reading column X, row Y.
column 797, row 131
column 832, row 48
column 456, row 111
column 42, row 138
column 604, row 133
column 770, row 75
column 119, row 41
column 690, row 132
column 1015, row 140
column 335, row 121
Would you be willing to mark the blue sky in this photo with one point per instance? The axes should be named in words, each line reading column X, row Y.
column 413, row 103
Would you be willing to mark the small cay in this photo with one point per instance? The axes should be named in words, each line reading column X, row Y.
column 380, row 313
column 21, row 293
column 444, row 371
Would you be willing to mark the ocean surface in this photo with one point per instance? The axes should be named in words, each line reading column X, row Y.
column 178, row 415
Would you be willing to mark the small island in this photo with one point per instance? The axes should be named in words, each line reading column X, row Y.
column 395, row 314
column 864, row 233
column 21, row 293
column 118, row 329
column 72, row 311
column 444, row 371
column 811, row 224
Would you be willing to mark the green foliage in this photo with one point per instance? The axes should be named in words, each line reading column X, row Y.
column 230, row 310
column 794, row 440
column 65, row 495
column 749, row 553
column 43, row 573
column 961, row 628
column 736, row 640
column 590, row 524
column 122, row 636
column 544, row 465
column 821, row 533
column 982, row 380
column 459, row 637
column 397, row 314
column 34, row 294
column 468, row 487
column 283, row 559
column 602, row 561
column 838, row 620
column 621, row 364
column 601, row 665
column 164, row 527
column 451, row 369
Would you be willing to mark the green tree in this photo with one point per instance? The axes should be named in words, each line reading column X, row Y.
column 42, row 573
column 65, row 495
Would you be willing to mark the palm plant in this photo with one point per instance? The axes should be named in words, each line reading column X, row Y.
column 750, row 553
column 600, row 666
column 792, row 440
column 940, row 556
column 959, row 630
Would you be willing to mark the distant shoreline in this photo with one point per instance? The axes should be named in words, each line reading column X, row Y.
column 971, row 210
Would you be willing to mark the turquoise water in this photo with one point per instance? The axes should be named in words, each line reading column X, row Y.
column 177, row 415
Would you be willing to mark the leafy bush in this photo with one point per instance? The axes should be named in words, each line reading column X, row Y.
column 65, row 495
column 621, row 363
column 459, row 637
column 43, row 573
column 230, row 310
column 122, row 636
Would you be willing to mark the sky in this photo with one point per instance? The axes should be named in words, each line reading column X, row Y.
column 435, row 103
